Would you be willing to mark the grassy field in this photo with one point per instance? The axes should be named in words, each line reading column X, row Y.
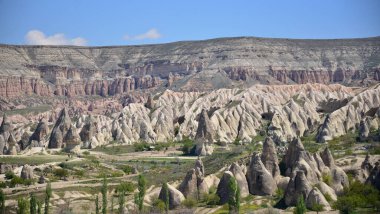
column 32, row 160
column 29, row 110
column 115, row 149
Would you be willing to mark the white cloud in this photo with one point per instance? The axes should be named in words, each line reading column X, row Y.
column 36, row 37
column 150, row 34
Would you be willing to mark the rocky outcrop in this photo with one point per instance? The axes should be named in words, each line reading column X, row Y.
column 374, row 177
column 316, row 197
column 223, row 190
column 71, row 139
column 27, row 172
column 60, row 129
column 298, row 186
column 327, row 190
column 194, row 184
column 205, row 131
column 88, row 132
column 12, row 147
column 6, row 125
column 150, row 102
column 240, row 178
column 203, row 149
column 106, row 71
column 260, row 180
column 269, row 157
column 7, row 167
column 39, row 135
column 327, row 158
column 175, row 196
column 363, row 130
column 352, row 115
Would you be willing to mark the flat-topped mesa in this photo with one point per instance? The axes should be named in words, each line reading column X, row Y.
column 76, row 71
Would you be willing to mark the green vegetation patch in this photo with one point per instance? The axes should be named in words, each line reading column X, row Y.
column 32, row 160
column 29, row 110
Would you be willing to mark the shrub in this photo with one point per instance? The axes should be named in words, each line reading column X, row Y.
column 126, row 187
column 61, row 173
column 189, row 202
column 127, row 169
column 188, row 147
column 357, row 195
column 300, row 207
column 317, row 207
column 9, row 175
column 142, row 146
column 211, row 199
column 159, row 205
column 15, row 181
column 279, row 194
column 327, row 179
column 328, row 197
column 64, row 165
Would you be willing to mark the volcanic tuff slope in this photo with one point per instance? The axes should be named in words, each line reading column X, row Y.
column 193, row 65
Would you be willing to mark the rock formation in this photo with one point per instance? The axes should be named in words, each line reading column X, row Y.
column 71, row 139
column 260, row 180
column 27, row 172
column 42, row 130
column 223, row 190
column 374, row 177
column 298, row 186
column 241, row 180
column 175, row 196
column 269, row 157
column 60, row 129
column 316, row 197
column 205, row 131
column 87, row 132
column 45, row 71
column 194, row 184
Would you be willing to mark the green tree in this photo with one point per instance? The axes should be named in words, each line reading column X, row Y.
column 22, row 206
column 234, row 198
column 357, row 195
column 97, row 204
column 166, row 190
column 300, row 207
column 39, row 207
column 33, row 204
column 104, row 196
column 2, row 202
column 48, row 194
column 112, row 203
column 121, row 201
column 237, row 199
column 139, row 197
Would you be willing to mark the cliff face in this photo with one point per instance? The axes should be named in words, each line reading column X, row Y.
column 74, row 71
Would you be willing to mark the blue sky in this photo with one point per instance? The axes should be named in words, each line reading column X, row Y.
column 117, row 22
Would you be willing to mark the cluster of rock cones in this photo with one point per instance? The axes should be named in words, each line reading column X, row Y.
column 315, row 177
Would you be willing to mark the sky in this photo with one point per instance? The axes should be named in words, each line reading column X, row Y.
column 135, row 22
